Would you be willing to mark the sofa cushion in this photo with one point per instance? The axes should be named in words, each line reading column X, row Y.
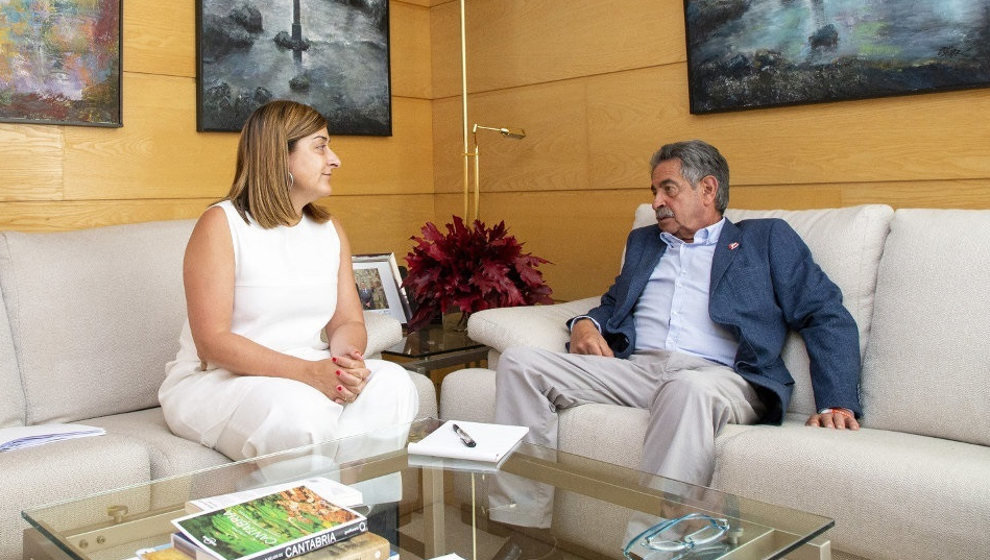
column 383, row 331
column 169, row 454
column 469, row 394
column 72, row 469
column 539, row 326
column 847, row 244
column 932, row 493
column 427, row 392
column 927, row 366
column 12, row 395
column 95, row 315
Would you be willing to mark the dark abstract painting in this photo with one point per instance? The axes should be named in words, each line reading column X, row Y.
column 60, row 62
column 746, row 54
column 330, row 54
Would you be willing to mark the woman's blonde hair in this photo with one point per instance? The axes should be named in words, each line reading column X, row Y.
column 262, row 179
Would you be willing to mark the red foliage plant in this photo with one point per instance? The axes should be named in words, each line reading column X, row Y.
column 470, row 269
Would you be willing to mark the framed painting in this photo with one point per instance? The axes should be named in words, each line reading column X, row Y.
column 330, row 54
column 60, row 62
column 745, row 54
column 380, row 286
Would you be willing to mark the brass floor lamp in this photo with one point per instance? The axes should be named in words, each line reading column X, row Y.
column 469, row 154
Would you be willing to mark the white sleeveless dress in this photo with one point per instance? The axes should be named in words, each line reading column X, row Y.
column 285, row 292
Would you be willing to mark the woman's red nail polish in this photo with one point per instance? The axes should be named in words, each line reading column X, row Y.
column 338, row 373
column 340, row 388
column 334, row 359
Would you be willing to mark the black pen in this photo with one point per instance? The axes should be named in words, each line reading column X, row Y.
column 464, row 436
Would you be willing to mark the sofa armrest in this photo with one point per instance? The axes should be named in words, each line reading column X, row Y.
column 540, row 326
column 383, row 331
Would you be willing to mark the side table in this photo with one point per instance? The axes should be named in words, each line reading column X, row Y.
column 434, row 348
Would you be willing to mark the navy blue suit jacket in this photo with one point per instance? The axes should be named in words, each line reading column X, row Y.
column 764, row 283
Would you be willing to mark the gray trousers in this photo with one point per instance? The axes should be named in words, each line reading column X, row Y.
column 690, row 399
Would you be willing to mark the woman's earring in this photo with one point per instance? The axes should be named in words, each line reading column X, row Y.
column 292, row 180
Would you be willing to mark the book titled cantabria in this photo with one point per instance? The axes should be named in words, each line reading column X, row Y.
column 275, row 526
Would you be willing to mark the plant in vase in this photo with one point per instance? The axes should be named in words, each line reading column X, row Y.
column 470, row 269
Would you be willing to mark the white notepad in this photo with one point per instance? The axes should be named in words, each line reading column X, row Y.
column 493, row 441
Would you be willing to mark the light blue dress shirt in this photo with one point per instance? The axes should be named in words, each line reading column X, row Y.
column 672, row 312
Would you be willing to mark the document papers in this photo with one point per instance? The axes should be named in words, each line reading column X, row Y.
column 29, row 436
column 492, row 441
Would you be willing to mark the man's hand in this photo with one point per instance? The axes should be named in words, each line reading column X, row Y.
column 585, row 339
column 838, row 418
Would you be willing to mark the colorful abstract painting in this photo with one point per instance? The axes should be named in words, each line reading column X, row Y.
column 330, row 54
column 60, row 62
column 746, row 54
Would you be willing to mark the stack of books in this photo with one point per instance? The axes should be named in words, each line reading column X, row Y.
column 274, row 523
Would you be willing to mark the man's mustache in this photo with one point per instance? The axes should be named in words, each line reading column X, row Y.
column 664, row 212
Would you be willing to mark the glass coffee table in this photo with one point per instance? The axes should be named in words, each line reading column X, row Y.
column 430, row 507
column 435, row 347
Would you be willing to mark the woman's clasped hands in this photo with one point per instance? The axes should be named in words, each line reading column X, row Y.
column 351, row 374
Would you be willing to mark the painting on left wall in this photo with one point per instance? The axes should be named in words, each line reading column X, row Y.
column 60, row 62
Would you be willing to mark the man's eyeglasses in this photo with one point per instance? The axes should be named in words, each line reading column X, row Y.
column 654, row 540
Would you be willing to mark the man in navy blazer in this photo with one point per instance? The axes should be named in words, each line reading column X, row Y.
column 692, row 330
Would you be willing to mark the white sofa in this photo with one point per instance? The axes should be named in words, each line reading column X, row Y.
column 88, row 320
column 915, row 481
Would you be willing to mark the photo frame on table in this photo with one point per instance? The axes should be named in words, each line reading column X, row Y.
column 380, row 285
column 749, row 55
column 61, row 65
column 331, row 55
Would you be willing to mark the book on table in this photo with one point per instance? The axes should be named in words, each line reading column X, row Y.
column 336, row 492
column 366, row 546
column 282, row 524
column 492, row 442
column 164, row 552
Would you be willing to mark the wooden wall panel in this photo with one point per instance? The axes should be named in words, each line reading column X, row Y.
column 409, row 50
column 401, row 163
column 30, row 162
column 383, row 223
column 517, row 42
column 78, row 214
column 599, row 132
column 974, row 194
column 160, row 38
column 159, row 154
column 156, row 154
column 425, row 3
column 554, row 154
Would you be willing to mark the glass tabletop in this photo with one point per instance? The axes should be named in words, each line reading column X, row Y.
column 428, row 507
column 430, row 341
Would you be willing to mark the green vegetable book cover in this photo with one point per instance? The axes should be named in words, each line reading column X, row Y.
column 278, row 525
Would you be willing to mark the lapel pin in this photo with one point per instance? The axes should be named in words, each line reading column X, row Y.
column 732, row 246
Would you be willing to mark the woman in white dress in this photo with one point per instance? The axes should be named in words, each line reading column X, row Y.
column 265, row 272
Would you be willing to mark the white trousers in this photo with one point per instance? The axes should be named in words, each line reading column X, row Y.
column 690, row 399
column 245, row 416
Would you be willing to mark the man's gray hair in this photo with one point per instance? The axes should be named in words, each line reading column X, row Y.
column 698, row 160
